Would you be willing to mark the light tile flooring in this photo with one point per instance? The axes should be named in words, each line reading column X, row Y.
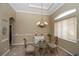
column 20, row 51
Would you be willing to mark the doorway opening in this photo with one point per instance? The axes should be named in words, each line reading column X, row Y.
column 11, row 30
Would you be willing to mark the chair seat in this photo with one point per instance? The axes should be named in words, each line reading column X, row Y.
column 52, row 45
column 30, row 48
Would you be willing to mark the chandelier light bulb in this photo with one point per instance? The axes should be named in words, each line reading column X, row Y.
column 42, row 24
column 45, row 23
column 38, row 23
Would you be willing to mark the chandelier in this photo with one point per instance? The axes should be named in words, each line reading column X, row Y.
column 42, row 23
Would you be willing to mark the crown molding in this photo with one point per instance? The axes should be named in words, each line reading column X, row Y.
column 54, row 8
column 31, row 12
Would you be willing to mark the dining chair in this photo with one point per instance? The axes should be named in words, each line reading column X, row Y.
column 29, row 48
column 53, row 47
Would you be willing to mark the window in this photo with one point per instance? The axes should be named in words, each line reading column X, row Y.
column 66, row 29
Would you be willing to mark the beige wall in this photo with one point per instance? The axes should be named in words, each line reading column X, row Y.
column 25, row 26
column 71, row 47
column 5, row 13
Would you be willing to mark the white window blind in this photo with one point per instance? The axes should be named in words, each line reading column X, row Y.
column 59, row 29
column 66, row 29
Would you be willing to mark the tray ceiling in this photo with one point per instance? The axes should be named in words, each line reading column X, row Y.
column 35, row 8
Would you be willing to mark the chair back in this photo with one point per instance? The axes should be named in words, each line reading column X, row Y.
column 56, row 40
column 25, row 41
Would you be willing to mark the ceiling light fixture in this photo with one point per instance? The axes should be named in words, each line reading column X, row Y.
column 42, row 23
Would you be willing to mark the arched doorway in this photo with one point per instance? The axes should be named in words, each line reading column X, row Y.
column 11, row 30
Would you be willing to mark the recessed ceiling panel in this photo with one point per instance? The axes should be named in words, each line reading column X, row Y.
column 38, row 5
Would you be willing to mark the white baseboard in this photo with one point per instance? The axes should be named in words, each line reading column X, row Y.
column 66, row 50
column 6, row 52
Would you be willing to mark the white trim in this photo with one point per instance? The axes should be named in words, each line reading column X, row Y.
column 55, row 9
column 38, row 6
column 6, row 52
column 68, row 12
column 31, row 12
column 4, row 40
column 23, row 34
column 18, row 44
column 22, row 43
column 66, row 50
column 27, row 34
